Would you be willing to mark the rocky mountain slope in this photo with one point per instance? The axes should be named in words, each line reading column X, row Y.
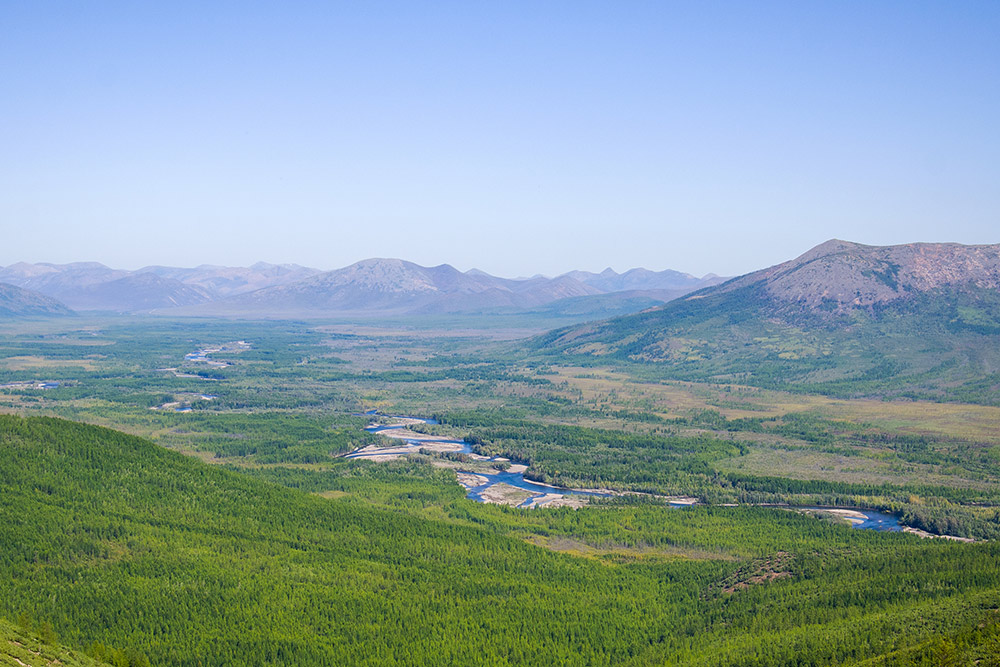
column 839, row 275
column 918, row 319
column 18, row 302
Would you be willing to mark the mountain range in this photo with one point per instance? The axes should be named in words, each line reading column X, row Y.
column 840, row 317
column 369, row 287
column 94, row 286
column 843, row 317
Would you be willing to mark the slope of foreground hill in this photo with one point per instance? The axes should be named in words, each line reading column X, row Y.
column 26, row 647
column 111, row 539
column 919, row 320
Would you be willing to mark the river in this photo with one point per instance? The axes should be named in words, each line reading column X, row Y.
column 517, row 480
column 859, row 518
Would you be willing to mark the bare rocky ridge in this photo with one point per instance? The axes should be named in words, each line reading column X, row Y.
column 840, row 274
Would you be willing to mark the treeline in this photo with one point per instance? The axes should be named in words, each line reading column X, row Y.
column 270, row 437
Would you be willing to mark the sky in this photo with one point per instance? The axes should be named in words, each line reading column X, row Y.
column 515, row 137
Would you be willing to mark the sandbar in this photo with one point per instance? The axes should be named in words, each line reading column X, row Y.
column 558, row 500
column 470, row 480
column 505, row 494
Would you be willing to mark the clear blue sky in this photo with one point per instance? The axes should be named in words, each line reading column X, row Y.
column 519, row 138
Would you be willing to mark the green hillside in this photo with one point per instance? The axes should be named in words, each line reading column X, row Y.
column 939, row 344
column 21, row 646
column 109, row 539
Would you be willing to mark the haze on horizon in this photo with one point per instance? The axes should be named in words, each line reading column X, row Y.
column 516, row 138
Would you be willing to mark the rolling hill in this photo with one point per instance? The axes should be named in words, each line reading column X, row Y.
column 109, row 540
column 135, row 292
column 18, row 302
column 912, row 320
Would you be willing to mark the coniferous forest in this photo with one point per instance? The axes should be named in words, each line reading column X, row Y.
column 113, row 541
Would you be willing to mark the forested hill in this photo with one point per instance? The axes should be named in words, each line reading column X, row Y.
column 919, row 320
column 112, row 539
column 109, row 541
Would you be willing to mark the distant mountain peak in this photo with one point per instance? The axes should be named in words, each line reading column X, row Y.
column 640, row 279
column 831, row 247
